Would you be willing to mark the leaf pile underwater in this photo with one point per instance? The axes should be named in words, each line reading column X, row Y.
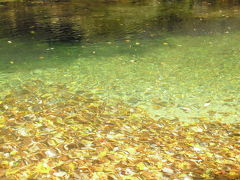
column 49, row 132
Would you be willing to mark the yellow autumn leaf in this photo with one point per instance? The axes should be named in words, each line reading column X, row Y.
column 5, row 163
column 159, row 165
column 102, row 154
column 183, row 165
column 42, row 168
column 2, row 121
column 11, row 171
column 47, row 95
column 131, row 150
column 130, row 178
column 71, row 167
column 141, row 166
column 13, row 153
column 86, row 142
column 233, row 174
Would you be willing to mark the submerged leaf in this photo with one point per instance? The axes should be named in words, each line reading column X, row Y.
column 42, row 168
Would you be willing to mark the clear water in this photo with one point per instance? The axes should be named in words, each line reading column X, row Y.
column 175, row 60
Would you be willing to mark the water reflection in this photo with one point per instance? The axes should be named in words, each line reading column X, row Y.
column 74, row 21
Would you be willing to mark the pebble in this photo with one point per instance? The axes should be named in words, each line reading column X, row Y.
column 60, row 173
column 22, row 132
column 50, row 153
column 168, row 170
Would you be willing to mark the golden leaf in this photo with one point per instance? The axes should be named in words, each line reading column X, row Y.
column 42, row 168
column 102, row 154
column 141, row 166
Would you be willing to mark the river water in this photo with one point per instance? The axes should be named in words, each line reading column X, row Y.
column 175, row 59
column 119, row 89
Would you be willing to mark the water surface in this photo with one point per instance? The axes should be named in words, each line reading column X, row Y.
column 119, row 89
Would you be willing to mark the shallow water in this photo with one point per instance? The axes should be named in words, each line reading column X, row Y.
column 174, row 63
column 174, row 78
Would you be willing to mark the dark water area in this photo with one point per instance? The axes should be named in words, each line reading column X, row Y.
column 44, row 28
column 76, row 21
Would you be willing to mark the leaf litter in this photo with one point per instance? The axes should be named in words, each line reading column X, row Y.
column 49, row 132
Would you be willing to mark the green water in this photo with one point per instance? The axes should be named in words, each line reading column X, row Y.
column 191, row 78
column 178, row 60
